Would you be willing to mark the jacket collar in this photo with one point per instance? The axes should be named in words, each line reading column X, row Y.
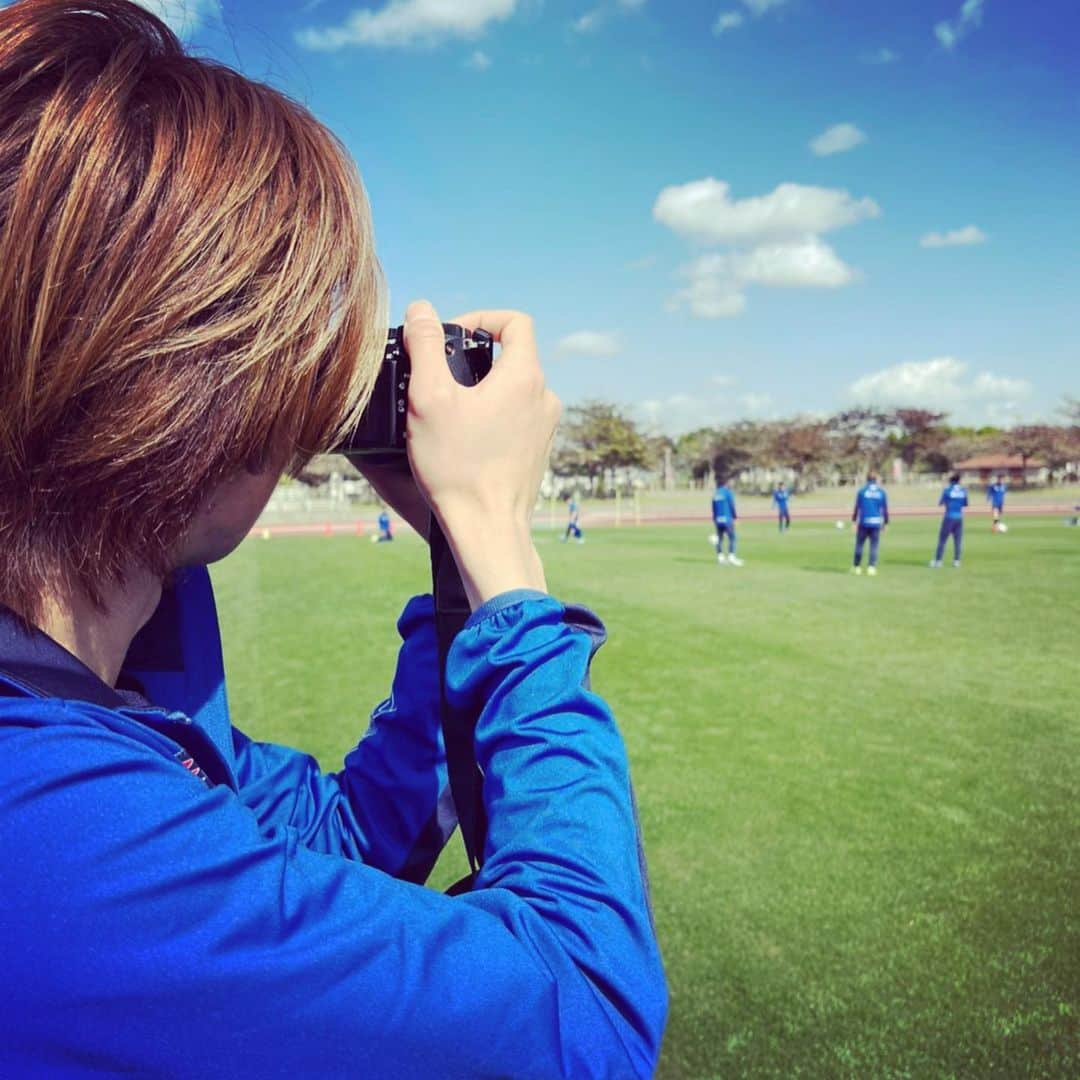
column 44, row 668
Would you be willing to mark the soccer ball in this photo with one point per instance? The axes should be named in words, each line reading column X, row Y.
column 1002, row 527
column 839, row 524
column 713, row 538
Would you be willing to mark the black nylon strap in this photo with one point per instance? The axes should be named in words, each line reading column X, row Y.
column 466, row 779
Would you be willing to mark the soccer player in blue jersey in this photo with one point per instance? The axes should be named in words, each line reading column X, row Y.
column 780, row 500
column 954, row 498
column 724, row 515
column 995, row 496
column 386, row 534
column 870, row 516
column 573, row 527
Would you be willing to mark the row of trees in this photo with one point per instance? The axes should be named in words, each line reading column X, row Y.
column 599, row 441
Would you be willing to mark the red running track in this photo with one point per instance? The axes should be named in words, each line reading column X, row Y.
column 363, row 527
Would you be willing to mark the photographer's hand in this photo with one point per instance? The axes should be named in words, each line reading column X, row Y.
column 479, row 453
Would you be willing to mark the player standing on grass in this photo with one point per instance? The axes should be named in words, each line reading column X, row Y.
column 870, row 516
column 573, row 528
column 954, row 498
column 780, row 499
column 385, row 532
column 724, row 515
column 995, row 496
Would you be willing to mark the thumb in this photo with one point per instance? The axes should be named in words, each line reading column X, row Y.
column 425, row 343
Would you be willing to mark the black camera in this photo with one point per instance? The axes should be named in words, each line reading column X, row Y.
column 381, row 431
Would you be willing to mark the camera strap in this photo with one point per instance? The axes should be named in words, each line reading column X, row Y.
column 466, row 780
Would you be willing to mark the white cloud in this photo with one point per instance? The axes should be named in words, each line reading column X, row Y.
column 704, row 210
column 964, row 237
column 479, row 61
column 808, row 264
column 588, row 22
column 837, row 140
column 589, row 343
column 678, row 413
column 774, row 239
column 718, row 281
column 951, row 32
column 987, row 385
column 403, row 23
column 940, row 382
column 702, row 406
column 879, row 56
column 727, row 20
column 709, row 295
column 675, row 414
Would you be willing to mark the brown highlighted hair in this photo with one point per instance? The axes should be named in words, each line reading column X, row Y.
column 188, row 288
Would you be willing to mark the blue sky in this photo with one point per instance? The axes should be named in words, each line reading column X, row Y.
column 643, row 177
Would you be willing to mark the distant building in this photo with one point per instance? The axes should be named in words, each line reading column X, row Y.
column 984, row 467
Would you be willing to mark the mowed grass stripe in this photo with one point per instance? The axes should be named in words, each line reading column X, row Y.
column 859, row 796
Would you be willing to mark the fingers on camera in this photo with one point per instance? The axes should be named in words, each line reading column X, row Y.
column 504, row 326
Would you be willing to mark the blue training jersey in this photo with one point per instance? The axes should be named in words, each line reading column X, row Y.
column 174, row 891
column 995, row 493
column 871, row 506
column 954, row 498
column 723, row 506
column 781, row 498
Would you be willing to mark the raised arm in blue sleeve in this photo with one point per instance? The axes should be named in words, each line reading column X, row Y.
column 563, row 837
column 390, row 805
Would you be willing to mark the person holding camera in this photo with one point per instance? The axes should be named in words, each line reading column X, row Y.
column 190, row 305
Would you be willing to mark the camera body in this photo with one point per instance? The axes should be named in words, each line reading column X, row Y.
column 380, row 434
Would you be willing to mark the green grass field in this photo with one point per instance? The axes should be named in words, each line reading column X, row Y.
column 860, row 797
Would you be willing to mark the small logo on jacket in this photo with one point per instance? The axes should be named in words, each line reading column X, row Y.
column 192, row 766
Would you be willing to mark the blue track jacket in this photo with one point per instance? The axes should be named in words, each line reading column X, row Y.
column 178, row 900
column 871, row 507
column 723, row 506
